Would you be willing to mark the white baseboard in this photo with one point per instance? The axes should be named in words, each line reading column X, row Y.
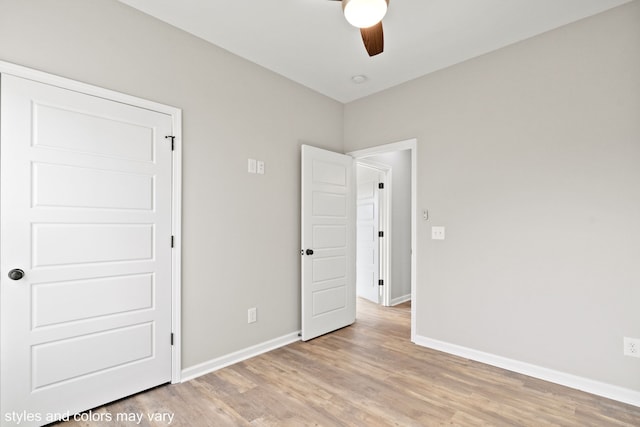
column 400, row 300
column 238, row 356
column 598, row 388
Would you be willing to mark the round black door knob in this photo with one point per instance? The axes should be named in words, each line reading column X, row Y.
column 309, row 251
column 16, row 274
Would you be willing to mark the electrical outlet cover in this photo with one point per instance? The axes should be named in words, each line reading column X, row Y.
column 631, row 347
column 437, row 233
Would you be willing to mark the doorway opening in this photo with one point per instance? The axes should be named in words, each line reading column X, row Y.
column 388, row 256
column 373, row 230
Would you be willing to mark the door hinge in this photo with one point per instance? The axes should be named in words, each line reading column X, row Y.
column 381, row 185
column 380, row 233
column 171, row 241
column 173, row 139
column 380, row 282
column 171, row 338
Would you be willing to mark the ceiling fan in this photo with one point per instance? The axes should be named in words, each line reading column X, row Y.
column 367, row 15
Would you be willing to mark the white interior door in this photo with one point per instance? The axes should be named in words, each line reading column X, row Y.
column 328, row 242
column 368, row 227
column 85, row 196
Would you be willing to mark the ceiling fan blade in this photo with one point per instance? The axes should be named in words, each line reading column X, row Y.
column 373, row 39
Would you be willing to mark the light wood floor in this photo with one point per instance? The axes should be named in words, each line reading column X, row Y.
column 368, row 374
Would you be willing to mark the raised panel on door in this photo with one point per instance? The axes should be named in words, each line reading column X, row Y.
column 85, row 194
column 117, row 190
column 74, row 300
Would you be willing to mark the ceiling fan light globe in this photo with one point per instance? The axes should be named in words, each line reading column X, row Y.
column 364, row 13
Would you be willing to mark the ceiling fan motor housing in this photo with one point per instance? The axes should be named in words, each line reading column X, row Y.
column 364, row 13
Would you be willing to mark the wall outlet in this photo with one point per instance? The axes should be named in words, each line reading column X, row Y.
column 252, row 315
column 631, row 347
column 437, row 233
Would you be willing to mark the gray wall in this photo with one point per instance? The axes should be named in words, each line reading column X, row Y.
column 400, row 262
column 530, row 156
column 240, row 231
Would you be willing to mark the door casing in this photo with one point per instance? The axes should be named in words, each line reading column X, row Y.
column 412, row 145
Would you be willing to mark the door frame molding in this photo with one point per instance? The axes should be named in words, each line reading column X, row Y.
column 412, row 145
column 176, row 191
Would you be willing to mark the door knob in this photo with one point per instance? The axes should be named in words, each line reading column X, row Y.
column 309, row 252
column 16, row 274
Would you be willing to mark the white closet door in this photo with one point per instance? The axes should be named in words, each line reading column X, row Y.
column 85, row 196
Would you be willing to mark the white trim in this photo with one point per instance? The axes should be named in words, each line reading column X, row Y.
column 238, row 356
column 176, row 117
column 409, row 144
column 385, row 204
column 64, row 83
column 400, row 300
column 176, row 260
column 598, row 388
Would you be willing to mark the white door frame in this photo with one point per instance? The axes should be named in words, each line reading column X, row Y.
column 176, row 214
column 384, row 220
column 412, row 145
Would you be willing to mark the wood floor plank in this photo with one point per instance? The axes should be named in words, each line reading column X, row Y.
column 368, row 374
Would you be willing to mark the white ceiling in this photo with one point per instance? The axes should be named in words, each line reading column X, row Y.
column 310, row 42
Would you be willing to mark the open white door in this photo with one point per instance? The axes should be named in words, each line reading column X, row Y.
column 328, row 242
column 85, row 253
column 367, row 235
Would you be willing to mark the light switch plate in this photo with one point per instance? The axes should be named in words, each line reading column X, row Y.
column 437, row 233
column 252, row 315
column 252, row 165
